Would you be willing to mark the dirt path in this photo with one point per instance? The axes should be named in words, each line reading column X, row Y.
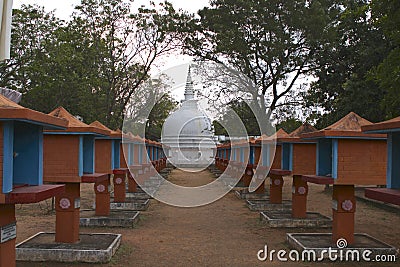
column 219, row 234
column 224, row 233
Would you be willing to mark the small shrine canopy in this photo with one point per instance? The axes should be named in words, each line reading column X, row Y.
column 349, row 126
column 294, row 137
column 304, row 128
column 113, row 134
column 126, row 137
column 273, row 138
column 75, row 125
column 21, row 179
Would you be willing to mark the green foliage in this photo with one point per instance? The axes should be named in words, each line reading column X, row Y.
column 387, row 74
column 31, row 27
column 358, row 69
column 289, row 125
column 160, row 112
column 219, row 129
column 246, row 115
column 91, row 64
column 96, row 62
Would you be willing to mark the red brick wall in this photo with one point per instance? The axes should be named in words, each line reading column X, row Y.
column 103, row 149
column 246, row 153
column 276, row 164
column 362, row 162
column 61, row 158
column 136, row 154
column 257, row 154
column 123, row 155
column 144, row 154
column 304, row 159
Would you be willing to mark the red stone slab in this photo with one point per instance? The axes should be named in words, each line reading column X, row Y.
column 315, row 179
column 392, row 124
column 261, row 168
column 94, row 177
column 136, row 167
column 33, row 194
column 121, row 171
column 235, row 163
column 332, row 133
column 280, row 172
column 386, row 195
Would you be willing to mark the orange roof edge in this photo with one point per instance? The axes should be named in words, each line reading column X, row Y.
column 14, row 111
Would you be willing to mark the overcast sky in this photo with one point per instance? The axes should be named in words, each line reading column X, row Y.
column 64, row 8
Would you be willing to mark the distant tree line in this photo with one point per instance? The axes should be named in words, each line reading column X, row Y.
column 94, row 62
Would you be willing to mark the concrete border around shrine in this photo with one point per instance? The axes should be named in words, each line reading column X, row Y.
column 264, row 205
column 298, row 241
column 69, row 252
column 284, row 219
column 131, row 204
column 245, row 194
column 115, row 219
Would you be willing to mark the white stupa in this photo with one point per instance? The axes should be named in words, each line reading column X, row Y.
column 188, row 133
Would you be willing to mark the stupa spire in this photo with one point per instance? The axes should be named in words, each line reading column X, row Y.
column 189, row 91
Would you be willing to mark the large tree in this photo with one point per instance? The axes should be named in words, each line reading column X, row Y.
column 272, row 43
column 159, row 113
column 31, row 27
column 246, row 115
column 128, row 45
column 64, row 73
column 386, row 15
column 344, row 81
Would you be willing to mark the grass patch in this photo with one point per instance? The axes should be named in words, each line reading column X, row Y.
column 122, row 252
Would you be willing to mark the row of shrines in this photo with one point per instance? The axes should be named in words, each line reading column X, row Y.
column 351, row 152
column 50, row 155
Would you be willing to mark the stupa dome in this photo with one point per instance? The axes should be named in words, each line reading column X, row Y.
column 188, row 120
column 188, row 132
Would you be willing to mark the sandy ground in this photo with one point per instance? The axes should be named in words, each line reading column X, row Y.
column 224, row 233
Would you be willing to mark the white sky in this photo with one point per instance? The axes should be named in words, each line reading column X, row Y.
column 64, row 8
